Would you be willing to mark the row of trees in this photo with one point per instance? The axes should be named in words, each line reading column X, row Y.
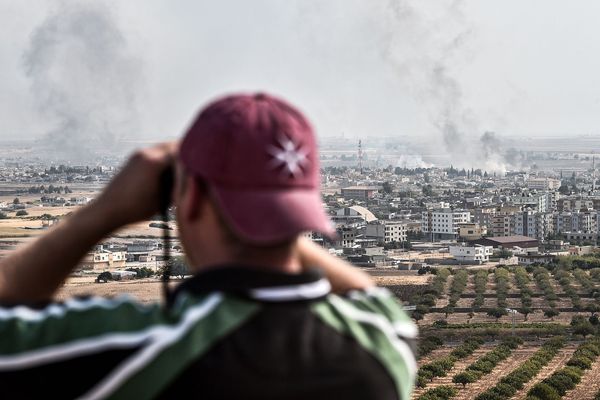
column 140, row 273
column 517, row 378
column 564, row 279
column 48, row 190
column 442, row 365
column 485, row 364
column 556, row 385
column 501, row 276
column 542, row 278
column 428, row 344
column 429, row 297
column 459, row 283
column 541, row 275
column 442, row 392
column 481, row 278
column 522, row 279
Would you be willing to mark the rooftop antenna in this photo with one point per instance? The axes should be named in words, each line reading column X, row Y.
column 593, row 173
column 360, row 156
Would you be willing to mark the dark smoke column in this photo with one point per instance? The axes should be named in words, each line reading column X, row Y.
column 84, row 78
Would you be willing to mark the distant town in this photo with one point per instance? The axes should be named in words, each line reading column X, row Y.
column 394, row 216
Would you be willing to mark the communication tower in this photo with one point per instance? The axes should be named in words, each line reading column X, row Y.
column 360, row 156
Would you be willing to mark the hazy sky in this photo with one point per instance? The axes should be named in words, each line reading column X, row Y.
column 360, row 67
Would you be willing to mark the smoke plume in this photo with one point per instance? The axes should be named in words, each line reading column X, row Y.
column 427, row 47
column 84, row 78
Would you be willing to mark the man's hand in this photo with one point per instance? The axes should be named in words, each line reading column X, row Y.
column 133, row 195
column 342, row 275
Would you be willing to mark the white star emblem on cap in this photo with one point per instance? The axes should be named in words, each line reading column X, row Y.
column 290, row 156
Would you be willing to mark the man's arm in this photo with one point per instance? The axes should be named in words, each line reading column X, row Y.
column 342, row 275
column 34, row 273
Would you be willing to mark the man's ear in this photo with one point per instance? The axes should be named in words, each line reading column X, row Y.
column 193, row 198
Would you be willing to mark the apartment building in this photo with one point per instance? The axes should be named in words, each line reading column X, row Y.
column 346, row 236
column 535, row 201
column 578, row 221
column 471, row 231
column 443, row 224
column 502, row 225
column 363, row 193
column 533, row 224
column 543, row 184
column 386, row 231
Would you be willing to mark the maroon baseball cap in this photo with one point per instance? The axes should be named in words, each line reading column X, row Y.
column 258, row 155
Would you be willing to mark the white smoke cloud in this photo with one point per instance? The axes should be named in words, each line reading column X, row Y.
column 85, row 77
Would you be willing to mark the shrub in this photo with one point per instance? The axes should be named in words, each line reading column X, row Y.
column 439, row 393
column 21, row 213
column 428, row 344
column 543, row 391
column 465, row 377
column 497, row 312
column 489, row 395
column 140, row 273
column 551, row 313
column 560, row 383
column 584, row 328
column 580, row 362
column 104, row 277
column 505, row 390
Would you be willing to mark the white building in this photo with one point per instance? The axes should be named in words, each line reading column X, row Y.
column 101, row 259
column 436, row 205
column 477, row 254
column 543, row 183
column 387, row 231
column 535, row 201
column 443, row 223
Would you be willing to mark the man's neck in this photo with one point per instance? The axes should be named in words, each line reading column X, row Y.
column 276, row 260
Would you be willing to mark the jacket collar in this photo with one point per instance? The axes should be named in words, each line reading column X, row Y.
column 258, row 284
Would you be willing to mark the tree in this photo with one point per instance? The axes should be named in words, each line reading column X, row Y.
column 544, row 391
column 417, row 316
column 551, row 313
column 592, row 308
column 584, row 328
column 448, row 310
column 104, row 277
column 464, row 377
column 504, row 253
column 525, row 311
column 427, row 191
column 387, row 187
column 497, row 312
column 178, row 267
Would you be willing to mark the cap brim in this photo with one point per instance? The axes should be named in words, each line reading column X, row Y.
column 272, row 216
